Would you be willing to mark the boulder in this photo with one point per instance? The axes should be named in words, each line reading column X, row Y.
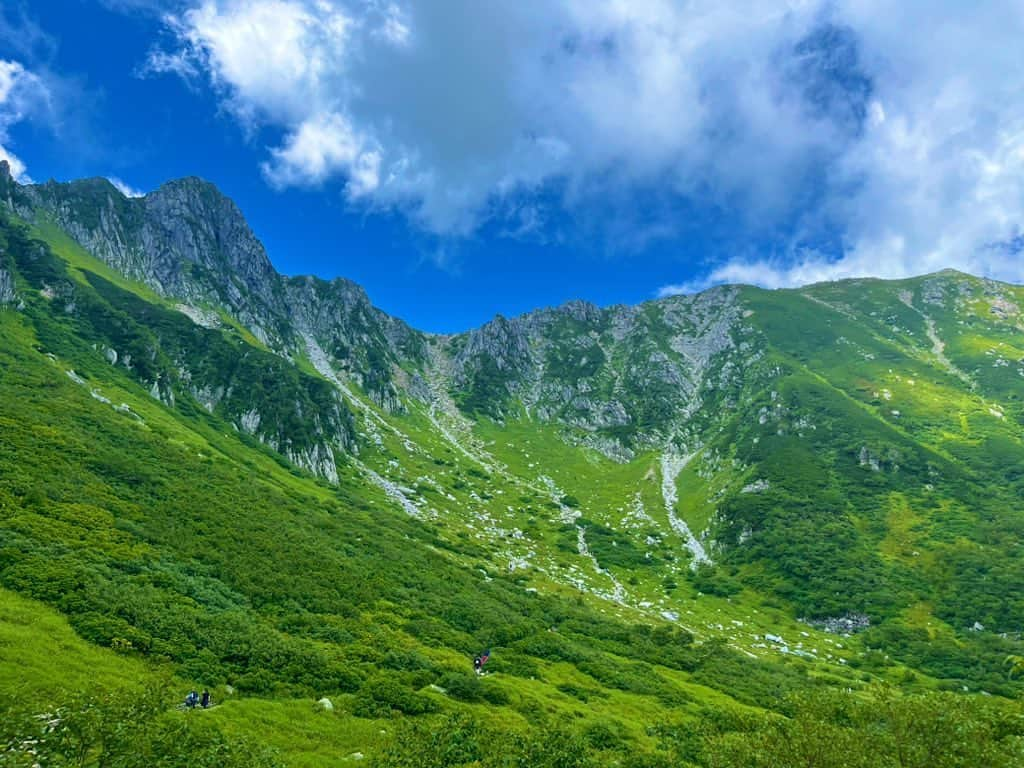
column 325, row 705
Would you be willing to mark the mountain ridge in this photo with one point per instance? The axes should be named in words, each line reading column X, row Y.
column 593, row 370
column 567, row 306
column 692, row 504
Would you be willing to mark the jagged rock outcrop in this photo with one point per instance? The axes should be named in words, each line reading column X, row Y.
column 7, row 295
column 7, row 189
column 182, row 364
column 625, row 376
column 189, row 242
column 621, row 377
column 364, row 343
column 185, row 240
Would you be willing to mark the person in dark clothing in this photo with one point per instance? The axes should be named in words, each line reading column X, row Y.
column 206, row 699
column 479, row 660
column 192, row 699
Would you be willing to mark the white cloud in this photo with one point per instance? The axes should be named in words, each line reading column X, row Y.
column 124, row 188
column 321, row 147
column 180, row 63
column 937, row 178
column 18, row 170
column 394, row 25
column 10, row 73
column 777, row 273
column 21, row 93
column 785, row 117
column 278, row 61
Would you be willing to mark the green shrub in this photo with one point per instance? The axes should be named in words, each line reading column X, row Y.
column 383, row 696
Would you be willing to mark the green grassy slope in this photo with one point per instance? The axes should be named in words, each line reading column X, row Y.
column 164, row 533
column 182, row 550
column 858, row 473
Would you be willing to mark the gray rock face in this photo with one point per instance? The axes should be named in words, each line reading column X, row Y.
column 364, row 344
column 185, row 240
column 189, row 242
column 498, row 353
column 7, row 295
column 618, row 379
column 8, row 186
column 625, row 376
column 849, row 624
column 7, row 190
column 184, row 357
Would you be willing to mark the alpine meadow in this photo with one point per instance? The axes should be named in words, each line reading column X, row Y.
column 736, row 528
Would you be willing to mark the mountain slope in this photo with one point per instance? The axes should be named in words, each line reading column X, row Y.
column 190, row 243
column 164, row 533
column 690, row 505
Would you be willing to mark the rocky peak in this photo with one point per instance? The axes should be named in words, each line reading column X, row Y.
column 620, row 378
column 190, row 242
column 363, row 341
column 196, row 222
column 504, row 341
column 186, row 241
column 8, row 186
column 580, row 311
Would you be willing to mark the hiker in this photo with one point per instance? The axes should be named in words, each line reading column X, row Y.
column 192, row 699
column 479, row 660
column 206, row 699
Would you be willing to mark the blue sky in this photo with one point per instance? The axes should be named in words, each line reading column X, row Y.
column 460, row 159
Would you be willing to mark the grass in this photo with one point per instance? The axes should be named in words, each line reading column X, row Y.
column 33, row 636
column 81, row 261
column 199, row 552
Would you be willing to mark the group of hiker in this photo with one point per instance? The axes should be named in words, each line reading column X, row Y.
column 194, row 700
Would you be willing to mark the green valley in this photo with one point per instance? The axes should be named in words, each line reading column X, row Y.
column 744, row 527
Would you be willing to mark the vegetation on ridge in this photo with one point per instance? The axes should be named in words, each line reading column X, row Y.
column 655, row 518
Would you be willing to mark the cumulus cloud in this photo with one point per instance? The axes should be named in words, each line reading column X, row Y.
column 937, row 178
column 276, row 61
column 21, row 93
column 320, row 147
column 895, row 133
